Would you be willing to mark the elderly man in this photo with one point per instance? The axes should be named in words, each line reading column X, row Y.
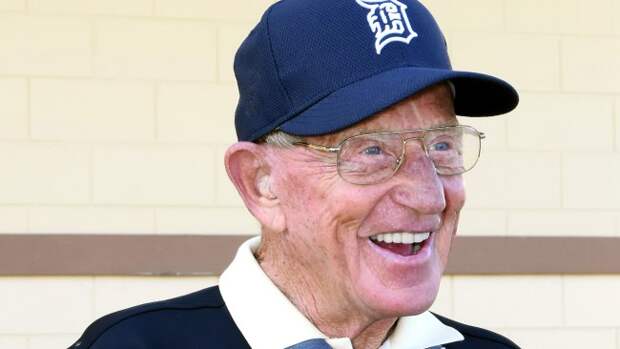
column 351, row 158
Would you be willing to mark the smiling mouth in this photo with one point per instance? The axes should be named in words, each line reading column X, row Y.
column 401, row 243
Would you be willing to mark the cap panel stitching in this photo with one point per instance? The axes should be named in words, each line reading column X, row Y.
column 273, row 56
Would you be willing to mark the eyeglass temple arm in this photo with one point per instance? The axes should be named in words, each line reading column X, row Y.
column 320, row 147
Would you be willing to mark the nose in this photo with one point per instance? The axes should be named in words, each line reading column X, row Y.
column 417, row 183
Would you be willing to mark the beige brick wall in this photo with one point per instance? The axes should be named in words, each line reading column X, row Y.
column 116, row 113
column 51, row 312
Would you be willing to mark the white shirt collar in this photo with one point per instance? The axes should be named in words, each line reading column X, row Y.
column 268, row 320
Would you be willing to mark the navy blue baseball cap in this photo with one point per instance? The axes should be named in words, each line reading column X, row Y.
column 312, row 67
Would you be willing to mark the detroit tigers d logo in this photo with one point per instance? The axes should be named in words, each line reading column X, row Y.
column 388, row 21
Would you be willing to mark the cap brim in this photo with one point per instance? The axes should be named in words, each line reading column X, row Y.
column 476, row 95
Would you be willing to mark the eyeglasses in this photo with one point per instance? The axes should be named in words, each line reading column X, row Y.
column 371, row 158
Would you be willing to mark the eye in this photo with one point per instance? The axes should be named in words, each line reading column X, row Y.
column 441, row 146
column 374, row 150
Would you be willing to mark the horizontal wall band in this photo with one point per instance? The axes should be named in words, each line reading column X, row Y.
column 38, row 255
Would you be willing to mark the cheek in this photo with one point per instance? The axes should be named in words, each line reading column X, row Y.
column 313, row 211
column 314, row 195
column 324, row 217
column 454, row 191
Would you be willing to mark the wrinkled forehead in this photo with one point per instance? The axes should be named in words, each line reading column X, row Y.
column 431, row 107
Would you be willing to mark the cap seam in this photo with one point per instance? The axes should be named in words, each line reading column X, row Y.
column 273, row 56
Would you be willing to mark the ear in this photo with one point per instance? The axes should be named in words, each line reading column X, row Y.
column 249, row 169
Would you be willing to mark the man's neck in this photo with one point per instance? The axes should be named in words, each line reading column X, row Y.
column 329, row 310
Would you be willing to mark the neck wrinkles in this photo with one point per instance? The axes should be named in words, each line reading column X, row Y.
column 327, row 310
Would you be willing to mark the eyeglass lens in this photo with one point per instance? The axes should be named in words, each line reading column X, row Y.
column 374, row 157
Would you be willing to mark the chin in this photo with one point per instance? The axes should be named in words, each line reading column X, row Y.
column 390, row 285
column 386, row 302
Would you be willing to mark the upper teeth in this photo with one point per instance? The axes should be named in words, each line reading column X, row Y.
column 401, row 237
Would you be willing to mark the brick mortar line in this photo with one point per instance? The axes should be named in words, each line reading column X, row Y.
column 93, row 45
column 156, row 93
column 505, row 15
column 218, row 73
column 29, row 107
column 253, row 20
column 116, row 206
column 91, row 174
column 563, row 299
column 112, row 144
column 561, row 65
column 124, row 79
column 231, row 84
column 508, row 211
column 614, row 121
column 562, row 181
column 189, row 143
column 529, row 35
column 138, row 17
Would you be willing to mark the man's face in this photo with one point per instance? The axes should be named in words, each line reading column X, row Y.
column 330, row 221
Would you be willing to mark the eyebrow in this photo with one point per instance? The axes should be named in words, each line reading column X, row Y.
column 422, row 128
column 365, row 130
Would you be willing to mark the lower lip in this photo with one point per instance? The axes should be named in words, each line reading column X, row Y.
column 420, row 257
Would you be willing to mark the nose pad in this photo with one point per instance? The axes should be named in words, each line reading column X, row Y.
column 418, row 184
